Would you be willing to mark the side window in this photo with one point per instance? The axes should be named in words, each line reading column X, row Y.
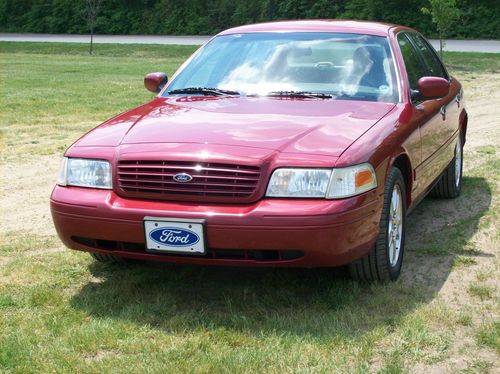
column 413, row 64
column 431, row 59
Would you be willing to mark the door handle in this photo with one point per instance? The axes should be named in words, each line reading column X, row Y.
column 443, row 112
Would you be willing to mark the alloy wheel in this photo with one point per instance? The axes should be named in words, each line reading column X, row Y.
column 395, row 227
column 458, row 163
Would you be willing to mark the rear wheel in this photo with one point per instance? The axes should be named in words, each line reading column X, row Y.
column 450, row 182
column 384, row 261
column 107, row 258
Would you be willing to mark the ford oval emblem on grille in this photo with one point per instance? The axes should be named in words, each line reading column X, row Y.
column 174, row 236
column 183, row 177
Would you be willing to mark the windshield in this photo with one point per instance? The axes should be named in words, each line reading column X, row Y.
column 343, row 66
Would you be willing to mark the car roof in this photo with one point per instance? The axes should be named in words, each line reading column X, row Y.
column 344, row 26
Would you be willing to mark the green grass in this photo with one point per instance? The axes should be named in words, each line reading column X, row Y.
column 463, row 261
column 60, row 311
column 17, row 242
column 481, row 291
column 100, row 50
column 472, row 62
column 52, row 93
column 489, row 335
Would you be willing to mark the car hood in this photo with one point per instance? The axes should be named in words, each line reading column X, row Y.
column 310, row 126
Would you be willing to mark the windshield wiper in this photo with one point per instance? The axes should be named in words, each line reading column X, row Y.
column 208, row 91
column 300, row 94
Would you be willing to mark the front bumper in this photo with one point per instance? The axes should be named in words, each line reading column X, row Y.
column 325, row 232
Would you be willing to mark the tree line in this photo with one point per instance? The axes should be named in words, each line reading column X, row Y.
column 478, row 18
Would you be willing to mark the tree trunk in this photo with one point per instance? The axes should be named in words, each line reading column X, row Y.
column 270, row 10
column 441, row 46
column 91, row 40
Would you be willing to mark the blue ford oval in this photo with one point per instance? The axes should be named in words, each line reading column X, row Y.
column 183, row 177
column 174, row 236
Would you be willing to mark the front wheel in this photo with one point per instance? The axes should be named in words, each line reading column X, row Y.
column 384, row 261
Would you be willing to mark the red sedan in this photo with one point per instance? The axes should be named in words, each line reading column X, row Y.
column 291, row 144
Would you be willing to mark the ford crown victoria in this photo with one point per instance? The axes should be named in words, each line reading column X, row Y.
column 288, row 144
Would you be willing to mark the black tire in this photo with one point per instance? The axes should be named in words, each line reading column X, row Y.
column 377, row 266
column 450, row 182
column 107, row 258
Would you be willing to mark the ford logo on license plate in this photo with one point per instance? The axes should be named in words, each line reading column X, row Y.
column 183, row 177
column 174, row 236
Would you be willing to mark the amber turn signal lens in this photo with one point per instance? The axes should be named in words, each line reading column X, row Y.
column 363, row 177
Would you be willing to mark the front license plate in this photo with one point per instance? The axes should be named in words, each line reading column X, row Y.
column 174, row 235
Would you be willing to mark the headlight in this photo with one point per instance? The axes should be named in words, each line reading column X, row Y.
column 85, row 173
column 299, row 183
column 322, row 183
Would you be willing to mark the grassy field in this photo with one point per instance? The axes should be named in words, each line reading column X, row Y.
column 60, row 311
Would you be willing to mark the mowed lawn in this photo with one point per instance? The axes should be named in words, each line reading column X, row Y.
column 60, row 311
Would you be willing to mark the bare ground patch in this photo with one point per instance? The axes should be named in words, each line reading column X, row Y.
column 483, row 100
column 4, row 260
column 26, row 192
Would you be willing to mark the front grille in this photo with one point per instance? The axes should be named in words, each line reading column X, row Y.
column 216, row 182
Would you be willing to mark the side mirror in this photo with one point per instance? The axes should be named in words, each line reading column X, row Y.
column 154, row 82
column 433, row 87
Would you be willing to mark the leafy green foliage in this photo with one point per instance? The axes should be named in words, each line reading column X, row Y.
column 211, row 16
column 444, row 14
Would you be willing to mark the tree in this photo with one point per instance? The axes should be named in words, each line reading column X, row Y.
column 91, row 11
column 444, row 13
